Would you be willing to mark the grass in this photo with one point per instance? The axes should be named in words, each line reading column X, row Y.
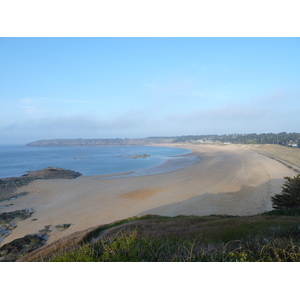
column 281, row 153
column 268, row 237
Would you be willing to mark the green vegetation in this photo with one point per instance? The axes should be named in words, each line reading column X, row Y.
column 272, row 236
column 290, row 196
column 282, row 138
column 287, row 155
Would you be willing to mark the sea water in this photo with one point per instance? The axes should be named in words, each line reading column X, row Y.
column 18, row 160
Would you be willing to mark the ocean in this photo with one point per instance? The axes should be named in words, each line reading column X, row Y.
column 18, row 160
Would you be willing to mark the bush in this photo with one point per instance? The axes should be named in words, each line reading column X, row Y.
column 290, row 196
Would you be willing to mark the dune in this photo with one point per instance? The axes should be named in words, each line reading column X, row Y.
column 228, row 179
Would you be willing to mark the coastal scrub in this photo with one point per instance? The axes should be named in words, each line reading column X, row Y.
column 215, row 238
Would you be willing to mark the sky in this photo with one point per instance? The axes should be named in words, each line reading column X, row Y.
column 136, row 87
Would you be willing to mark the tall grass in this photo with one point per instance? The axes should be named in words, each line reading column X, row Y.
column 128, row 247
column 263, row 238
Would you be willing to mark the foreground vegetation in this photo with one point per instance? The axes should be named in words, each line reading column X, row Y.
column 272, row 236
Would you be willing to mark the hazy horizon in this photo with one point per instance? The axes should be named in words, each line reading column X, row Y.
column 113, row 138
column 56, row 88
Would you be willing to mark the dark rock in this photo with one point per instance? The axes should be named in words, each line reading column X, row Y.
column 7, row 217
column 4, row 231
column 9, row 185
column 45, row 230
column 19, row 247
column 11, row 226
column 63, row 226
column 53, row 173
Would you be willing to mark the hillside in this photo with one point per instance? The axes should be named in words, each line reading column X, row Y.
column 282, row 138
column 98, row 142
column 272, row 236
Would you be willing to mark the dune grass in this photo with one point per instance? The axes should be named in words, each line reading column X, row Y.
column 285, row 154
column 267, row 237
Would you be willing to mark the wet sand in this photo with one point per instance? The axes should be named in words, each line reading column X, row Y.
column 228, row 179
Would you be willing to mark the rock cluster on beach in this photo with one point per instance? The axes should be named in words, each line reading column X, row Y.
column 62, row 226
column 18, row 247
column 9, row 185
column 9, row 216
column 7, row 220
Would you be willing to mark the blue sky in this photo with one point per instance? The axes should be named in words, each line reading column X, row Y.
column 140, row 87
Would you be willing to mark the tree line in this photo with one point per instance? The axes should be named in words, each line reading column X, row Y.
column 282, row 138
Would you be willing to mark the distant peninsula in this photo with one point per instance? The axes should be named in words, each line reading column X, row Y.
column 99, row 142
column 281, row 138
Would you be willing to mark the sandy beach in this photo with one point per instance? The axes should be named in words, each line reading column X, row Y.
column 228, row 179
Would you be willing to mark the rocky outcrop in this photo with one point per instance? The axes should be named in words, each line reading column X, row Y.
column 9, row 185
column 7, row 220
column 19, row 247
column 52, row 173
column 9, row 216
column 45, row 230
column 62, row 226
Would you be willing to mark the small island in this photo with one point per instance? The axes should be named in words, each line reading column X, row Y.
column 137, row 156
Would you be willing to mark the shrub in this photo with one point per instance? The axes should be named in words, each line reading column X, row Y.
column 290, row 196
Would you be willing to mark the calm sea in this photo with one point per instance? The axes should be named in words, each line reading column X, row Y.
column 18, row 160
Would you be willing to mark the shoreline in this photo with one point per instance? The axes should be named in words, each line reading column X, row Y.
column 93, row 169
column 172, row 163
column 227, row 180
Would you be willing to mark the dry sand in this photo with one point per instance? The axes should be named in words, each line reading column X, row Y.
column 227, row 180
